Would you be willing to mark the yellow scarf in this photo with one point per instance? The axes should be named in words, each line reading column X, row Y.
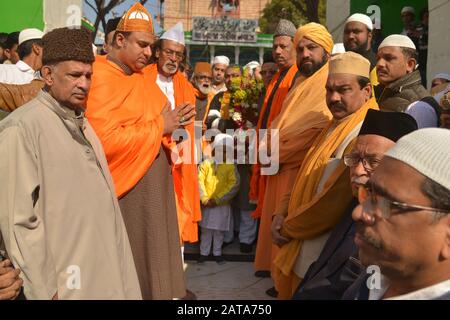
column 311, row 214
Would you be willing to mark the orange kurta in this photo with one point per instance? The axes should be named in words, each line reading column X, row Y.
column 303, row 115
column 258, row 182
column 184, row 174
column 125, row 113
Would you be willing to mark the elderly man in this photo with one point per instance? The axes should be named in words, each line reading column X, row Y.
column 134, row 121
column 403, row 222
column 440, row 79
column 321, row 192
column 30, row 54
column 331, row 274
column 358, row 38
column 219, row 66
column 180, row 93
column 203, row 94
column 284, row 55
column 47, row 229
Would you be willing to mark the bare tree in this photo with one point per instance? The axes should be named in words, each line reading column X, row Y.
column 102, row 8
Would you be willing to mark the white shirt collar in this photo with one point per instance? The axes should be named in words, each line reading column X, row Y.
column 166, row 86
column 22, row 66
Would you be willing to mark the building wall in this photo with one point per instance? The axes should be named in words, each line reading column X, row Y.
column 183, row 10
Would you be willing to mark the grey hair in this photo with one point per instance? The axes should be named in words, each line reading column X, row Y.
column 439, row 196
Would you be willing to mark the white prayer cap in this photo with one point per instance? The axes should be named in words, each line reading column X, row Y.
column 30, row 34
column 408, row 9
column 427, row 151
column 338, row 48
column 221, row 60
column 223, row 139
column 445, row 76
column 176, row 33
column 397, row 40
column 359, row 17
column 252, row 65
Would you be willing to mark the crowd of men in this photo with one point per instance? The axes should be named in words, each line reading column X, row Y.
column 101, row 187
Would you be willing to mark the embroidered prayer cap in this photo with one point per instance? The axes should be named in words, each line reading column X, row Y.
column 137, row 18
column 350, row 63
column 285, row 28
column 362, row 18
column 65, row 44
column 316, row 33
column 427, row 151
column 30, row 34
column 221, row 60
column 397, row 40
column 176, row 34
column 391, row 125
column 202, row 67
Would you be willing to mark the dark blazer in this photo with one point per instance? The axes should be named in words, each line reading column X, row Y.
column 333, row 272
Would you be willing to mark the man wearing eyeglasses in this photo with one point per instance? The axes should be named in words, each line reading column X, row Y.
column 403, row 222
column 333, row 272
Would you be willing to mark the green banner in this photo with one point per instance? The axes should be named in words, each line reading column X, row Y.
column 389, row 12
column 17, row 15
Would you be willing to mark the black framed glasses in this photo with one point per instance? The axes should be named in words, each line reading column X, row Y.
column 369, row 162
column 170, row 53
column 373, row 202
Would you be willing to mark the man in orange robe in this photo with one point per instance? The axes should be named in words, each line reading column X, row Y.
column 284, row 56
column 303, row 116
column 134, row 121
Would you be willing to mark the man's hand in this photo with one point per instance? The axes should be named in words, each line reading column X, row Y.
column 170, row 117
column 10, row 283
column 186, row 114
column 277, row 238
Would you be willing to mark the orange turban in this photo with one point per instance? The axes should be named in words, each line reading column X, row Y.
column 136, row 19
column 316, row 33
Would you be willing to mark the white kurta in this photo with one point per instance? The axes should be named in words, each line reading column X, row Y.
column 19, row 73
column 59, row 216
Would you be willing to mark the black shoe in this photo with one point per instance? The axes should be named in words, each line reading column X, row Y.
column 272, row 292
column 202, row 259
column 246, row 248
column 262, row 274
column 219, row 259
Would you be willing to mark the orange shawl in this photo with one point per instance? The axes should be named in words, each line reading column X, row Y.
column 125, row 113
column 185, row 175
column 309, row 214
column 258, row 182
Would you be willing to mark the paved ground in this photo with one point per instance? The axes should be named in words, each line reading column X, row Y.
column 230, row 281
column 233, row 280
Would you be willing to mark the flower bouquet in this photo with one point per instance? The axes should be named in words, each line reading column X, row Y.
column 240, row 103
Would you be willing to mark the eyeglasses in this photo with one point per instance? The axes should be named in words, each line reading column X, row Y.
column 170, row 53
column 369, row 162
column 372, row 202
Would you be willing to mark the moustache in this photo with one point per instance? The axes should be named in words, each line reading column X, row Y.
column 368, row 238
column 338, row 105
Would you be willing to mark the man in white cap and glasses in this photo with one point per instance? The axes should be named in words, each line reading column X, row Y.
column 403, row 222
column 358, row 38
column 219, row 66
column 170, row 53
column 401, row 83
column 30, row 54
